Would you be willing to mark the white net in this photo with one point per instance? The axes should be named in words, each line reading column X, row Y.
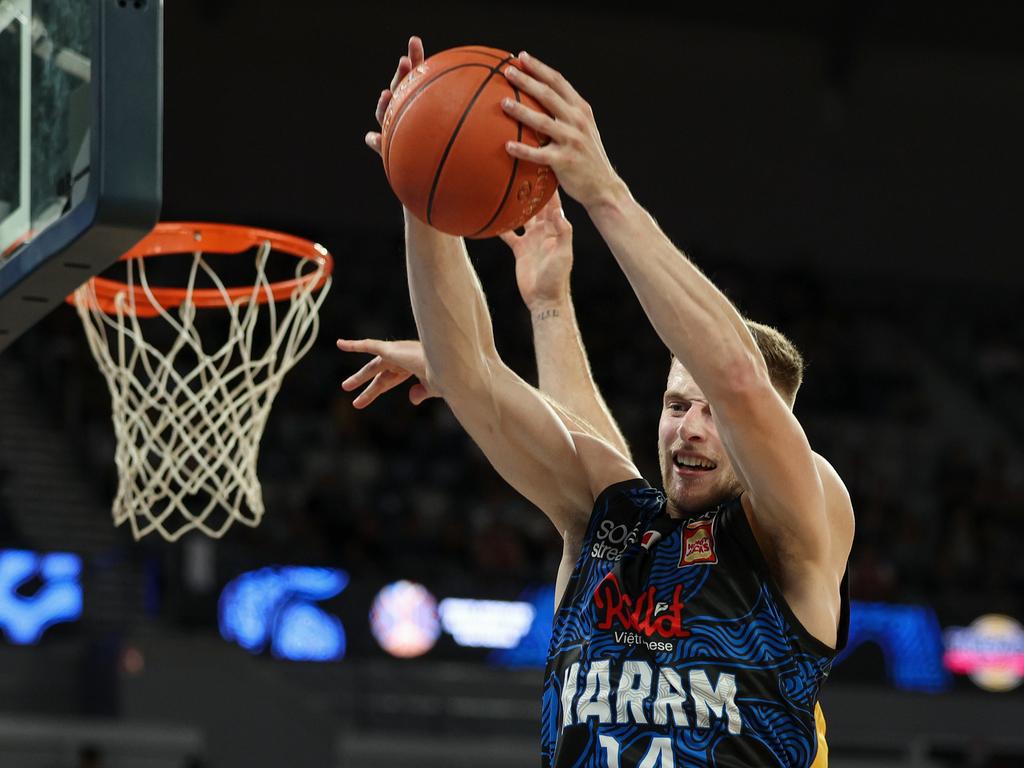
column 188, row 421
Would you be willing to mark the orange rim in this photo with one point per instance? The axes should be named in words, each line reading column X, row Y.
column 188, row 237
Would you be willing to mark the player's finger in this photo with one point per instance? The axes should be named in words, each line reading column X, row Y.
column 382, row 106
column 404, row 67
column 415, row 51
column 363, row 375
column 533, row 222
column 389, row 379
column 368, row 395
column 542, row 218
column 369, row 346
column 542, row 92
column 562, row 225
column 533, row 119
column 510, row 239
column 558, row 217
column 417, row 393
column 375, row 389
column 550, row 76
column 382, row 382
column 550, row 210
column 373, row 141
column 540, row 155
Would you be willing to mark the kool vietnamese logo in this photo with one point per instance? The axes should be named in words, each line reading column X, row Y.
column 698, row 544
column 643, row 614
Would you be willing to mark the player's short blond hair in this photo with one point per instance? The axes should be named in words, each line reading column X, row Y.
column 784, row 361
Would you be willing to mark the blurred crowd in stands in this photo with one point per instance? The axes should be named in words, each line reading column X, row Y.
column 911, row 391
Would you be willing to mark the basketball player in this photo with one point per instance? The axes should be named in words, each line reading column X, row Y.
column 694, row 626
column 544, row 259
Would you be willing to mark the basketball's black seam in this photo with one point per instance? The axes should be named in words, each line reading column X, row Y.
column 455, row 134
column 408, row 102
column 512, row 176
column 502, row 59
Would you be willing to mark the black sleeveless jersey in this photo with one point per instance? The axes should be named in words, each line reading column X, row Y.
column 674, row 648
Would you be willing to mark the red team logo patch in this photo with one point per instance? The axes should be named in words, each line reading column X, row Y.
column 698, row 544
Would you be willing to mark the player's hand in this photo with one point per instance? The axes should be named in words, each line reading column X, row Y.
column 406, row 64
column 543, row 256
column 575, row 151
column 393, row 363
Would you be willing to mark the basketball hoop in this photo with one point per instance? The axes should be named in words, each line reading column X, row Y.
column 188, row 421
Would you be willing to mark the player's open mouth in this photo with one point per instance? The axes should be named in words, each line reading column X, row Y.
column 688, row 464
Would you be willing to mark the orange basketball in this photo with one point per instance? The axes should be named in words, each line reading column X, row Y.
column 443, row 143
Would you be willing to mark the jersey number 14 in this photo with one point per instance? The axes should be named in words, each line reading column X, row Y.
column 659, row 754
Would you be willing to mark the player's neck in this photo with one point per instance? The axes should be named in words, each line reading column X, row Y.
column 681, row 511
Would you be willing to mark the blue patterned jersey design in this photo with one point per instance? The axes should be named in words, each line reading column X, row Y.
column 673, row 647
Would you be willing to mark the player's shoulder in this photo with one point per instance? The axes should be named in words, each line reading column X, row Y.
column 633, row 491
column 838, row 504
column 832, row 484
column 611, row 478
column 602, row 462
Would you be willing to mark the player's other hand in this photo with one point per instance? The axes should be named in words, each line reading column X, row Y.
column 575, row 151
column 393, row 363
column 406, row 64
column 543, row 256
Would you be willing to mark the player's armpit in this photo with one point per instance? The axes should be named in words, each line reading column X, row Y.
column 603, row 463
column 529, row 445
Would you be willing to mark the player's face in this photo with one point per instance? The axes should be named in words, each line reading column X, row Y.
column 695, row 468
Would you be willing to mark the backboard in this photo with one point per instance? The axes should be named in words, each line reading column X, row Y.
column 80, row 145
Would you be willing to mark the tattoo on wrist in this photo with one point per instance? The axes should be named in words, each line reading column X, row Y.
column 544, row 314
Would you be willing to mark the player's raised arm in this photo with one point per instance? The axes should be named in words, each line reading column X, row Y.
column 804, row 513
column 521, row 434
column 543, row 256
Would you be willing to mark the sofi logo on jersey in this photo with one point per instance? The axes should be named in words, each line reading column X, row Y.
column 643, row 614
column 612, row 540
